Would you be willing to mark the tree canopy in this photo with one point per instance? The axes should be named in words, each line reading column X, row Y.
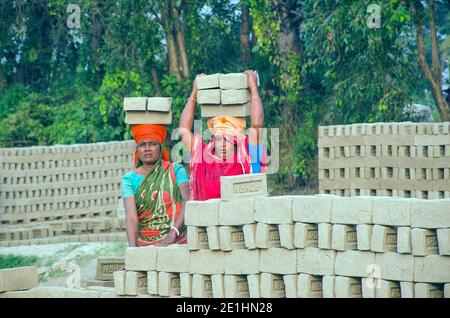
column 320, row 62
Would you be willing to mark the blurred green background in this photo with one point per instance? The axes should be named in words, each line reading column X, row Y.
column 319, row 63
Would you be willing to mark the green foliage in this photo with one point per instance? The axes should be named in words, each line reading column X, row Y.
column 372, row 70
column 179, row 91
column 12, row 97
column 213, row 36
column 266, row 26
column 27, row 124
column 11, row 261
column 61, row 85
column 114, row 88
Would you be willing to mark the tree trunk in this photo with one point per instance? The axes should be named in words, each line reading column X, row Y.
column 289, row 37
column 254, row 38
column 3, row 83
column 432, row 75
column 434, row 44
column 98, row 31
column 289, row 47
column 181, row 43
column 155, row 81
column 38, row 41
column 171, row 46
column 245, row 34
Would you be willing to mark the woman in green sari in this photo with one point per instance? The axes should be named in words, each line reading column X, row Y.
column 155, row 192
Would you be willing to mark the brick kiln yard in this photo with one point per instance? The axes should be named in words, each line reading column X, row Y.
column 380, row 226
column 55, row 262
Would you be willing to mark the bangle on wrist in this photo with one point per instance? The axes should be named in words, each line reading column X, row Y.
column 176, row 230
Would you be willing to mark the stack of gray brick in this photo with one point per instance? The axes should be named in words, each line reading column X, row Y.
column 148, row 110
column 303, row 246
column 48, row 194
column 385, row 159
column 223, row 95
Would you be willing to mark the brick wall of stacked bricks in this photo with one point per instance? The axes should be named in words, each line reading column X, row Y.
column 385, row 159
column 298, row 246
column 49, row 194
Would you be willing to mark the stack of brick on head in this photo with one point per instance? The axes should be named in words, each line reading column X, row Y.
column 155, row 192
column 229, row 152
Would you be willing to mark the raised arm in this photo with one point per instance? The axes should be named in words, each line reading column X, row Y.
column 187, row 118
column 256, row 110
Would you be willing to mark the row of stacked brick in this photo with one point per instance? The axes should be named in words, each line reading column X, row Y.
column 100, row 229
column 386, row 159
column 61, row 190
column 299, row 246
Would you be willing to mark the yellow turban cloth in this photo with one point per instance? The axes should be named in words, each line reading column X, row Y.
column 227, row 125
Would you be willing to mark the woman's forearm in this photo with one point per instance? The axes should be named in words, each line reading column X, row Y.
column 256, row 118
column 187, row 116
column 132, row 231
column 131, row 220
column 256, row 109
column 184, row 189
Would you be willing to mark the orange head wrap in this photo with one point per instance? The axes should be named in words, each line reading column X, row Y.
column 227, row 125
column 152, row 132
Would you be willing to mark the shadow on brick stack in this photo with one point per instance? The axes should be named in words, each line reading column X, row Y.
column 62, row 193
column 249, row 245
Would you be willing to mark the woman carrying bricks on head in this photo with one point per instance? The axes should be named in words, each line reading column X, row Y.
column 155, row 192
column 229, row 152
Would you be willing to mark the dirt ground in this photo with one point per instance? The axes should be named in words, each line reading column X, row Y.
column 56, row 262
